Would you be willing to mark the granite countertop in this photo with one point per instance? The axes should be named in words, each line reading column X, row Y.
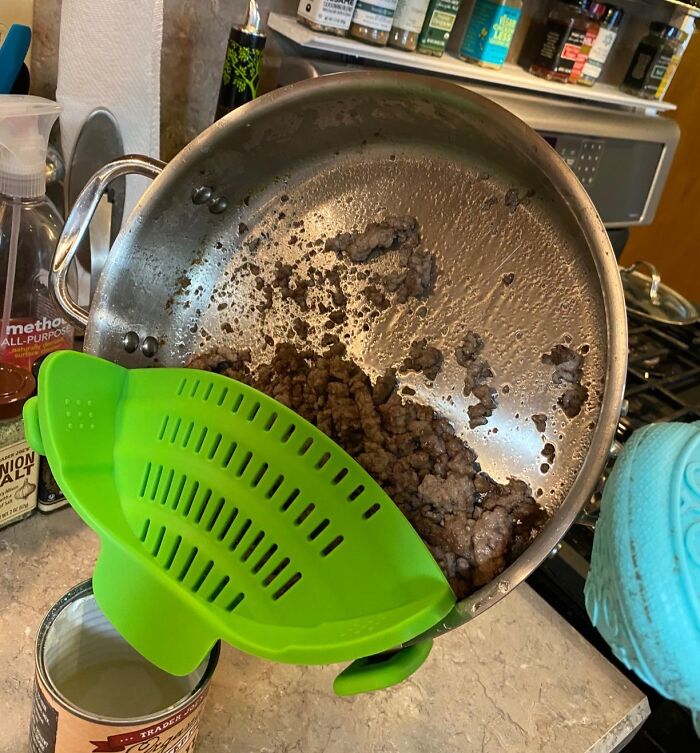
column 518, row 678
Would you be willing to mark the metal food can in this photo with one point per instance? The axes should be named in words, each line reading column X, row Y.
column 94, row 693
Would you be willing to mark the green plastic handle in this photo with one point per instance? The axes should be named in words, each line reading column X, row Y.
column 32, row 429
column 381, row 671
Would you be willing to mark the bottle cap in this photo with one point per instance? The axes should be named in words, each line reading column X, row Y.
column 252, row 21
column 25, row 124
column 613, row 16
column 597, row 10
column 16, row 387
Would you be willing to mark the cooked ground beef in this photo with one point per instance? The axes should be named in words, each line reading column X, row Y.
column 568, row 370
column 540, row 421
column 301, row 327
column 511, row 199
column 377, row 237
column 284, row 274
column 423, row 357
column 549, row 452
column 480, row 412
column 416, row 277
column 376, row 296
column 573, row 399
column 567, row 364
column 471, row 347
column 477, row 372
column 417, row 270
column 473, row 525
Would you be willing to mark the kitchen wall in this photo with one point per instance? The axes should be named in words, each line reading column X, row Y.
column 195, row 33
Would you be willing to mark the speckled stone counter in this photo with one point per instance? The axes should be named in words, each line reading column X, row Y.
column 518, row 678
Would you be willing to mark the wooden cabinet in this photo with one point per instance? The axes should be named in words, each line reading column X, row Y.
column 672, row 241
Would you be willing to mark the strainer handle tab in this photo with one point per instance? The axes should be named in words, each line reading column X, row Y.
column 381, row 671
column 79, row 220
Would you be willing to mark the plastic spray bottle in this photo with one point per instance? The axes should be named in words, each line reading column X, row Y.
column 30, row 225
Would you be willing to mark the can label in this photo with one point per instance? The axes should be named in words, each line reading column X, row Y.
column 43, row 724
column 55, row 729
column 19, row 477
column 490, row 32
column 379, row 14
column 27, row 340
column 334, row 13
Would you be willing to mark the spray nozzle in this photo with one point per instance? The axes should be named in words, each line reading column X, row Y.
column 25, row 124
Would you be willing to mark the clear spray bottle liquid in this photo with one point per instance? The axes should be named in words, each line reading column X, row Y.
column 30, row 225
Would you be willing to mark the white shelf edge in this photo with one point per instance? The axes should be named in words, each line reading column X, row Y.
column 509, row 76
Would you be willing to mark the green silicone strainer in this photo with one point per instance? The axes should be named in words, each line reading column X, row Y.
column 223, row 514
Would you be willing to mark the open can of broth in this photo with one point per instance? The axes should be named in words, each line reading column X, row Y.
column 94, row 693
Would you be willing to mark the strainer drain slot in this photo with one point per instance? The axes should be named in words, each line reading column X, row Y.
column 294, row 579
column 337, row 541
column 227, row 526
column 264, row 559
column 240, row 534
column 276, row 572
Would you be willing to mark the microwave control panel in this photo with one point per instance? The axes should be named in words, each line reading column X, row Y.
column 618, row 174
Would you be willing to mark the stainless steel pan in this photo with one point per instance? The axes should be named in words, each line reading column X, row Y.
column 338, row 152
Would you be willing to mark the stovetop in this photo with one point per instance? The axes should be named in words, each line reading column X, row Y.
column 663, row 384
column 663, row 375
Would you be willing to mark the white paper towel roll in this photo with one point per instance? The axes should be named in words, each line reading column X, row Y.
column 109, row 56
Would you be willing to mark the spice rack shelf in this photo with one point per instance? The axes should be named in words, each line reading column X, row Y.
column 509, row 76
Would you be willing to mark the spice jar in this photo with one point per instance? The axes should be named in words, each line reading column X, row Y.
column 651, row 61
column 408, row 21
column 564, row 33
column 372, row 21
column 490, row 32
column 607, row 34
column 330, row 16
column 437, row 26
column 19, row 466
column 679, row 47
column 595, row 12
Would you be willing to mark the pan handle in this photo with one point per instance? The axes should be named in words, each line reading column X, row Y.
column 79, row 220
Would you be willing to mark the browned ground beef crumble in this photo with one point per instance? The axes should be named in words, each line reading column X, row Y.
column 473, row 526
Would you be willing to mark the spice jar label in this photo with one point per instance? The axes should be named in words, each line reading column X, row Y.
column 335, row 13
column 379, row 14
column 442, row 21
column 490, row 32
column 410, row 15
column 599, row 52
column 19, row 475
column 27, row 340
column 438, row 25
